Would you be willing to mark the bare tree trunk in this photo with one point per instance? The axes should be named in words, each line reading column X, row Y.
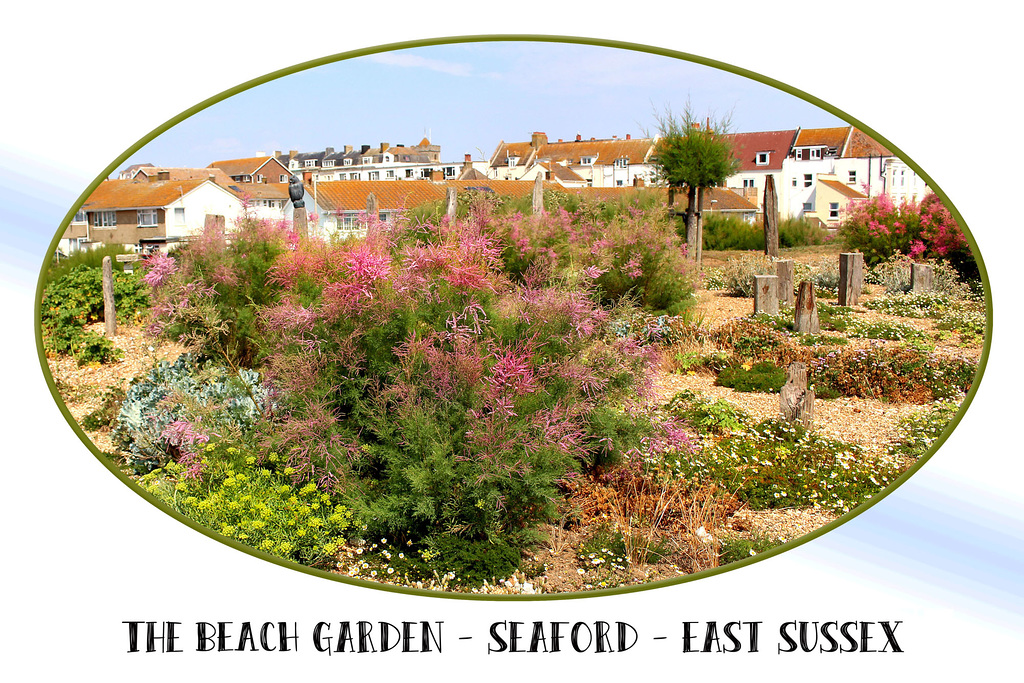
column 691, row 223
column 771, row 218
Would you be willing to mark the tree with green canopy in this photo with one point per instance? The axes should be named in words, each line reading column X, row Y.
column 695, row 155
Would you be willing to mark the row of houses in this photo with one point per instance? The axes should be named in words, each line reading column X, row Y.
column 816, row 172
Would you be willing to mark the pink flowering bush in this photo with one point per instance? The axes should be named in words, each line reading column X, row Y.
column 921, row 230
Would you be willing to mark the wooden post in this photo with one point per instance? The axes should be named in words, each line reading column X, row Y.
column 806, row 314
column 538, row 193
column 372, row 212
column 784, row 270
column 671, row 196
column 771, row 218
column 851, row 278
column 691, row 223
column 299, row 222
column 109, row 314
column 920, row 277
column 795, row 399
column 450, row 203
column 766, row 294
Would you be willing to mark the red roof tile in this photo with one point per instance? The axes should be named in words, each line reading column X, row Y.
column 747, row 145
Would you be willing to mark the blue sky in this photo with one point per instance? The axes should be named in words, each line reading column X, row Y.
column 468, row 97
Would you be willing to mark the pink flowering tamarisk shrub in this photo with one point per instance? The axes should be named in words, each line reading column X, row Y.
column 439, row 397
column 922, row 230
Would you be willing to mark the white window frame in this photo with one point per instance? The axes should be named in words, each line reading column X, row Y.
column 390, row 173
column 367, row 160
column 374, row 175
column 512, row 161
column 309, row 163
column 328, row 163
column 815, row 153
column 104, row 219
column 808, row 179
column 410, row 173
column 293, row 164
column 833, row 210
column 587, row 161
column 749, row 182
column 762, row 158
column 449, row 171
column 80, row 217
column 261, row 179
column 179, row 215
column 622, row 163
column 347, row 162
column 282, row 178
column 852, row 180
column 148, row 218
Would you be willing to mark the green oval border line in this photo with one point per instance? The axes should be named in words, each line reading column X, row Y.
column 115, row 164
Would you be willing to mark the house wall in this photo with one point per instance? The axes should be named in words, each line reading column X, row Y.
column 127, row 230
column 208, row 198
column 902, row 183
column 793, row 193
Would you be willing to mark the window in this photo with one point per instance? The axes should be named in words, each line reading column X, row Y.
column 618, row 183
column 309, row 163
column 328, row 163
column 512, row 161
column 79, row 217
column 390, row 174
column 347, row 162
column 833, row 210
column 587, row 161
column 622, row 163
column 794, row 182
column 748, row 182
column 816, row 153
column 294, row 163
column 261, row 179
column 325, row 177
column 409, row 173
column 853, row 178
column 374, row 175
column 104, row 219
column 282, row 178
column 179, row 215
column 367, row 160
column 449, row 171
column 247, row 179
column 808, row 206
column 762, row 158
column 808, row 180
column 147, row 218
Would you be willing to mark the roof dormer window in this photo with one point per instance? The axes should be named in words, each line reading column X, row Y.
column 512, row 161
column 294, row 163
column 762, row 158
column 622, row 163
column 310, row 163
column 348, row 162
column 816, row 153
column 328, row 163
column 587, row 161
column 367, row 160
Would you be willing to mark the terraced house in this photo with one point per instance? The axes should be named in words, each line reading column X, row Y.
column 612, row 162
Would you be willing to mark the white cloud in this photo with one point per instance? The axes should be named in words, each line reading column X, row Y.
column 405, row 59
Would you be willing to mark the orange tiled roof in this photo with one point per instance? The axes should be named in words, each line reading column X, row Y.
column 826, row 137
column 563, row 173
column 260, row 190
column 219, row 176
column 606, row 151
column 350, row 195
column 863, row 145
column 842, row 189
column 132, row 194
column 249, row 166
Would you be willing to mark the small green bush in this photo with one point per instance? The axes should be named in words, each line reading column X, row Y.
column 703, row 415
column 736, row 548
column 762, row 377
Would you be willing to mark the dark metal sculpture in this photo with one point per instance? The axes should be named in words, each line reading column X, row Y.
column 296, row 191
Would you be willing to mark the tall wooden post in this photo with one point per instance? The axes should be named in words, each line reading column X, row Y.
column 109, row 313
column 805, row 317
column 691, row 222
column 699, row 239
column 784, row 270
column 538, row 193
column 851, row 278
column 372, row 212
column 795, row 399
column 771, row 218
column 766, row 294
column 450, row 203
column 300, row 222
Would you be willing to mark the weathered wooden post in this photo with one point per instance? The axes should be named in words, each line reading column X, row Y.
column 450, row 203
column 795, row 399
column 851, row 278
column 766, row 294
column 920, row 277
column 784, row 270
column 109, row 314
column 806, row 315
column 771, row 218
column 297, row 193
column 372, row 211
column 214, row 222
column 691, row 223
column 538, row 193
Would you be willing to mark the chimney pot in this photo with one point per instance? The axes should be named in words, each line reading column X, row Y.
column 384, row 147
column 578, row 137
column 277, row 153
column 628, row 137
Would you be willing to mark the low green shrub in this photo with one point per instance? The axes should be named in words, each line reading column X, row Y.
column 892, row 373
column 255, row 503
column 738, row 273
column 736, row 548
column 761, row 377
column 917, row 433
column 704, row 415
column 884, row 329
column 104, row 416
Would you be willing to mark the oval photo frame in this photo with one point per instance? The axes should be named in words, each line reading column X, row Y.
column 151, row 499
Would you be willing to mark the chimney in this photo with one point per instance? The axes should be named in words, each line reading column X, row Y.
column 348, row 148
column 578, row 137
column 436, row 175
column 293, row 153
column 277, row 153
column 329, row 150
column 384, row 147
column 628, row 137
column 638, row 181
column 364, row 149
column 261, row 154
column 538, row 139
column 559, row 139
